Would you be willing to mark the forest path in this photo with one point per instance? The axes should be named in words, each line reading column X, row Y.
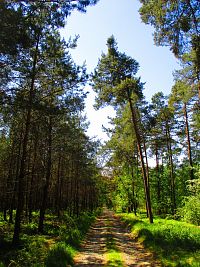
column 109, row 243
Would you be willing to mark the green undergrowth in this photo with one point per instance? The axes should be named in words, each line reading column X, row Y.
column 56, row 247
column 113, row 255
column 175, row 243
column 60, row 255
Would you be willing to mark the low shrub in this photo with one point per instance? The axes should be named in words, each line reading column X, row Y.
column 60, row 255
column 74, row 238
column 74, row 228
column 84, row 221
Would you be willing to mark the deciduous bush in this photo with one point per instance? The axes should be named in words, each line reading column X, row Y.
column 190, row 212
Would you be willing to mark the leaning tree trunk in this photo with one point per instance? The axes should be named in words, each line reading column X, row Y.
column 188, row 142
column 144, row 172
column 147, row 165
column 134, row 193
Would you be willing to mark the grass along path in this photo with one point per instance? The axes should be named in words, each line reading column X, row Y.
column 177, row 244
column 109, row 244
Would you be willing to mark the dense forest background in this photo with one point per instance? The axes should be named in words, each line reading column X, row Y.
column 47, row 161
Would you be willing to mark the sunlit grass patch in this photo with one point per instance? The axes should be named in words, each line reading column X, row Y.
column 175, row 243
column 114, row 259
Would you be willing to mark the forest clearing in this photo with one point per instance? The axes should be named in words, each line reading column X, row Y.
column 71, row 199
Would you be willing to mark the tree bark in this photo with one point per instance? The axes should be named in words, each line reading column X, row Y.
column 22, row 171
column 144, row 172
column 30, row 200
column 58, row 187
column 158, row 179
column 133, row 193
column 188, row 142
column 47, row 180
column 172, row 178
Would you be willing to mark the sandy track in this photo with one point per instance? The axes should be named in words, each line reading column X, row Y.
column 93, row 251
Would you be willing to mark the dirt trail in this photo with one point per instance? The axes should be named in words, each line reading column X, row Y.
column 93, row 252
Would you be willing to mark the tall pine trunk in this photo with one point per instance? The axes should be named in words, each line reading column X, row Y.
column 134, row 193
column 47, row 180
column 188, row 142
column 144, row 171
column 22, row 171
column 30, row 199
column 158, row 179
column 58, row 187
column 172, row 175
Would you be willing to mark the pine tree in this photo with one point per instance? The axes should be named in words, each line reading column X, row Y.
column 115, row 84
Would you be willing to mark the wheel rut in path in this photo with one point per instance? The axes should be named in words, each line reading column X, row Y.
column 94, row 250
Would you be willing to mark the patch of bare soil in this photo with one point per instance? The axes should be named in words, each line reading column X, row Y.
column 133, row 253
column 93, row 249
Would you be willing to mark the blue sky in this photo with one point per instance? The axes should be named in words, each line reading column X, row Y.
column 134, row 38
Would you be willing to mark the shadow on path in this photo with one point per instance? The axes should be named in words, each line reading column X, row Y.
column 94, row 248
column 133, row 253
column 93, row 251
